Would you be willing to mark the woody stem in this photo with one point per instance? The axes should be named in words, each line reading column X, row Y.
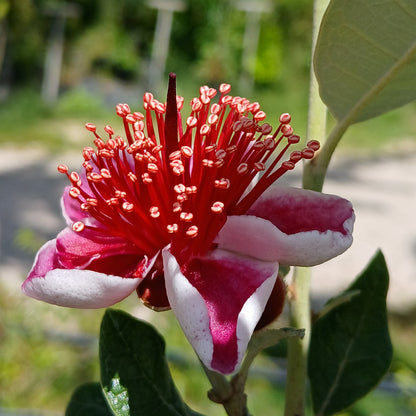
column 230, row 394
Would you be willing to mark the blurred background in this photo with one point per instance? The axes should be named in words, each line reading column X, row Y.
column 63, row 64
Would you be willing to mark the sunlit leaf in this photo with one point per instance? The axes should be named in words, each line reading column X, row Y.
column 365, row 58
column 134, row 369
column 117, row 397
column 350, row 348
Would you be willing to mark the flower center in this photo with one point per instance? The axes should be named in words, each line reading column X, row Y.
column 176, row 181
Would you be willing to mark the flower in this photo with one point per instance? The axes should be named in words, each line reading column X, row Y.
column 185, row 213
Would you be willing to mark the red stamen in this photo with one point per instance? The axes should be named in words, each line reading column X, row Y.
column 167, row 185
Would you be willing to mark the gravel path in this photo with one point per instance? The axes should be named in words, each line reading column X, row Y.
column 383, row 192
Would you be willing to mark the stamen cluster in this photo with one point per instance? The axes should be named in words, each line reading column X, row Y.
column 174, row 181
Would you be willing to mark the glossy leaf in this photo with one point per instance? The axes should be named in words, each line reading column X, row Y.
column 365, row 57
column 134, row 368
column 350, row 348
column 88, row 399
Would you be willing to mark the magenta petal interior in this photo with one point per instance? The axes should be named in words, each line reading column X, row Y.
column 75, row 250
column 225, row 285
column 295, row 210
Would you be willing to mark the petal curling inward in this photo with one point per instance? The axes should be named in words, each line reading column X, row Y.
column 82, row 289
column 295, row 210
column 76, row 250
column 45, row 260
column 218, row 300
column 285, row 232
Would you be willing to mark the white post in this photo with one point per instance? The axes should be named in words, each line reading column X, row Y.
column 54, row 53
column 165, row 9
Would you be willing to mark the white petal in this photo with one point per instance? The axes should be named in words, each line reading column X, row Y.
column 189, row 308
column 250, row 315
column 84, row 289
column 259, row 238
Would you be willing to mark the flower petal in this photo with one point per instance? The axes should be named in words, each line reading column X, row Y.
column 297, row 227
column 218, row 300
column 295, row 210
column 83, row 289
column 93, row 250
column 45, row 261
column 108, row 262
column 49, row 282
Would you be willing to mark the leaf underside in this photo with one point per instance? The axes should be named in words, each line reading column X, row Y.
column 365, row 57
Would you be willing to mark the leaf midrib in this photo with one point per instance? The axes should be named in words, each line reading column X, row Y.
column 340, row 371
column 344, row 362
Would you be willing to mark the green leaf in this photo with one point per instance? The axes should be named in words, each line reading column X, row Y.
column 134, row 368
column 88, row 399
column 270, row 337
column 338, row 300
column 350, row 347
column 365, row 57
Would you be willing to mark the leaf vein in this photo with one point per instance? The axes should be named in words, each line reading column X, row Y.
column 344, row 361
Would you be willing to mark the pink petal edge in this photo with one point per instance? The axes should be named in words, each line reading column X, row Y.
column 45, row 260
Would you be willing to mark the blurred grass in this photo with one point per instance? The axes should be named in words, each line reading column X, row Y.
column 39, row 362
column 45, row 351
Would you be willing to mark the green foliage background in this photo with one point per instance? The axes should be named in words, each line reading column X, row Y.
column 116, row 38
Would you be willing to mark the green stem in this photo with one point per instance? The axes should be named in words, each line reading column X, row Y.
column 315, row 171
column 230, row 394
column 300, row 302
column 298, row 348
column 316, row 129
